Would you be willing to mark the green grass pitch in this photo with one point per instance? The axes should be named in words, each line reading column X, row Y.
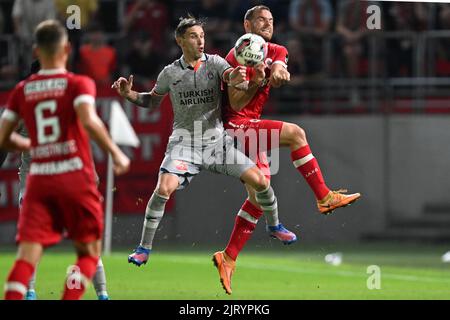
column 288, row 273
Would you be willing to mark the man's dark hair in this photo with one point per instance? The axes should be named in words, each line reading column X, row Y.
column 49, row 34
column 249, row 15
column 186, row 23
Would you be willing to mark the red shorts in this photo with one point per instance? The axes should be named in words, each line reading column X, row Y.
column 260, row 136
column 54, row 204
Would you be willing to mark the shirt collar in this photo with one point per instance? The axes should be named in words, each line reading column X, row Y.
column 185, row 65
column 51, row 72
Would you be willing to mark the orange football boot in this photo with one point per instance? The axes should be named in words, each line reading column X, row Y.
column 336, row 199
column 226, row 269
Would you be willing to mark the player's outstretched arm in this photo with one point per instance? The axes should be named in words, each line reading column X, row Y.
column 97, row 131
column 149, row 100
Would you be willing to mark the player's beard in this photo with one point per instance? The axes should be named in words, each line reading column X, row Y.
column 265, row 37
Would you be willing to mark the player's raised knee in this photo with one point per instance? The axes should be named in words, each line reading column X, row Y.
column 295, row 134
column 164, row 190
column 256, row 179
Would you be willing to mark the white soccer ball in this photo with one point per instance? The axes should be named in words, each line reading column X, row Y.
column 250, row 50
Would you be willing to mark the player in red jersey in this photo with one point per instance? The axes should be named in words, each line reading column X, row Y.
column 58, row 109
column 244, row 112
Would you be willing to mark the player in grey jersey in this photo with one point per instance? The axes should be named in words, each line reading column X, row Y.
column 99, row 280
column 198, row 140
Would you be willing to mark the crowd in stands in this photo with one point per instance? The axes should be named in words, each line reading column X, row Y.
column 136, row 36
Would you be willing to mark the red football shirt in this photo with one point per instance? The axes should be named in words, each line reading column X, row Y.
column 253, row 110
column 46, row 101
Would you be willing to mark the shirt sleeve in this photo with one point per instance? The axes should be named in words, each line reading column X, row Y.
column 162, row 83
column 281, row 56
column 12, row 110
column 221, row 65
column 85, row 91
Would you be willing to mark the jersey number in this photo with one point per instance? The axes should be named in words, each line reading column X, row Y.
column 48, row 122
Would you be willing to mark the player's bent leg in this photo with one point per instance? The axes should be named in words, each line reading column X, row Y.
column 84, row 269
column 266, row 200
column 28, row 256
column 255, row 179
column 244, row 225
column 305, row 162
column 154, row 213
column 293, row 136
column 275, row 231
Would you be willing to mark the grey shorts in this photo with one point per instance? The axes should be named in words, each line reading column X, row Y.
column 222, row 158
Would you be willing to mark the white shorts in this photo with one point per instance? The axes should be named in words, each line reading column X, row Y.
column 222, row 158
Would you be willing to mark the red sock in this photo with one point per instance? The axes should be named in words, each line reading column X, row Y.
column 244, row 225
column 17, row 283
column 308, row 166
column 76, row 282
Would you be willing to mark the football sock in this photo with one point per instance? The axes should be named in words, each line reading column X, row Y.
column 99, row 280
column 244, row 224
column 78, row 280
column 153, row 216
column 268, row 203
column 16, row 285
column 308, row 166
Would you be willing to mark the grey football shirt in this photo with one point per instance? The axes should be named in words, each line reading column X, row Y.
column 196, row 98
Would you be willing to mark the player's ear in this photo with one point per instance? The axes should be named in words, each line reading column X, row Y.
column 247, row 26
column 179, row 40
column 67, row 48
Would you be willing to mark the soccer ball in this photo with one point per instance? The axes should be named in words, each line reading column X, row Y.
column 250, row 50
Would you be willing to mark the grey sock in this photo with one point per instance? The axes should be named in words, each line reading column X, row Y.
column 268, row 203
column 153, row 216
column 99, row 280
column 32, row 282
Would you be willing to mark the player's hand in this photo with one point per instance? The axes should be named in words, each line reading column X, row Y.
column 279, row 77
column 123, row 86
column 238, row 76
column 260, row 73
column 121, row 163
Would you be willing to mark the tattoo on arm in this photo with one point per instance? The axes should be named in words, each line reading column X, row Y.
column 147, row 100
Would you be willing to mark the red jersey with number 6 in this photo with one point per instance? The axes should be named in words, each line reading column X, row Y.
column 253, row 110
column 60, row 194
column 46, row 101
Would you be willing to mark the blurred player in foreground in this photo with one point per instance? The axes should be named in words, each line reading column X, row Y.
column 58, row 110
column 244, row 113
column 99, row 280
column 198, row 140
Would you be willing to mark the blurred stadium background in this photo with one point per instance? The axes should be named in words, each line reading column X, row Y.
column 375, row 106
